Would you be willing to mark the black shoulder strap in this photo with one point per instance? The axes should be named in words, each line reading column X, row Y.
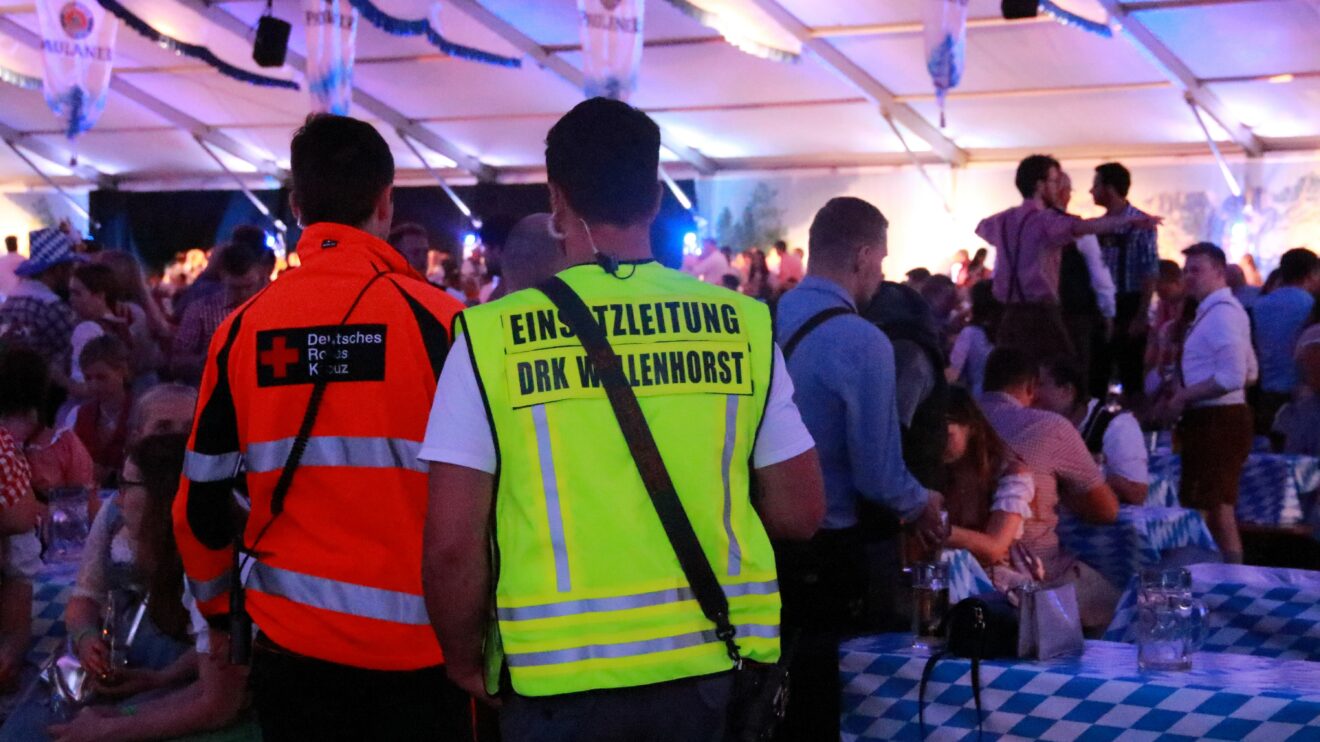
column 1095, row 427
column 710, row 596
column 816, row 320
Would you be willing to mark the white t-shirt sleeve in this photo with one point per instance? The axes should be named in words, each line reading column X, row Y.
column 1125, row 450
column 458, row 431
column 783, row 435
column 83, row 334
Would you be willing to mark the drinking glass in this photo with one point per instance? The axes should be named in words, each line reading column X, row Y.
column 1171, row 622
column 930, row 603
column 67, row 524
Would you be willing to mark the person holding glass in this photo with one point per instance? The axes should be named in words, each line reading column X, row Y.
column 989, row 493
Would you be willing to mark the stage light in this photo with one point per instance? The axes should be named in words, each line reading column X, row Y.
column 469, row 245
column 690, row 244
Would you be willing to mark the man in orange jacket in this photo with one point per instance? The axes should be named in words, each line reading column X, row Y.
column 316, row 391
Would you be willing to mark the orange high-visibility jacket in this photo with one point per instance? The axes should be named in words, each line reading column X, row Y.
column 337, row 576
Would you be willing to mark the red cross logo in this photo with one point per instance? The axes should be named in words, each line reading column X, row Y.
column 279, row 357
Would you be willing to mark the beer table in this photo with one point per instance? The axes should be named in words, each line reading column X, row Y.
column 1100, row 695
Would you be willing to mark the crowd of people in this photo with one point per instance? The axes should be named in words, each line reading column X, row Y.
column 876, row 421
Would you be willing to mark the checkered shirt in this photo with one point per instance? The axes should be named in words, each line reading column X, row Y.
column 1132, row 255
column 41, row 323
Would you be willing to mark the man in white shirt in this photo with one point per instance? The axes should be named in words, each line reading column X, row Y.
column 1113, row 436
column 1214, row 421
column 713, row 265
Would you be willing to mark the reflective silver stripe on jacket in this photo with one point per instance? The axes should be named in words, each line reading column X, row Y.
column 627, row 602
column 340, row 597
column 726, row 463
column 203, row 591
column 553, row 512
column 636, row 648
column 338, row 450
column 206, row 467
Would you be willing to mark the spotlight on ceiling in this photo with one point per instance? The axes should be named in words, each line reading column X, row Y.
column 1015, row 9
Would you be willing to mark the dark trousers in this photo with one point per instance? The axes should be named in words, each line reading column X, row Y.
column 688, row 710
column 823, row 584
column 1035, row 329
column 1127, row 351
column 298, row 698
column 1082, row 330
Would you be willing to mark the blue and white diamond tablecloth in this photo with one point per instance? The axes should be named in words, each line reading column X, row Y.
column 966, row 576
column 1274, row 489
column 50, row 595
column 1263, row 611
column 1098, row 696
column 1138, row 539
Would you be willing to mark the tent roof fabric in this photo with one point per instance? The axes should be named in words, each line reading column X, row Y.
column 1032, row 84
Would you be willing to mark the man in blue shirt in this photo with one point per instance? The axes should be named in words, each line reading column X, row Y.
column 842, row 368
column 1277, row 319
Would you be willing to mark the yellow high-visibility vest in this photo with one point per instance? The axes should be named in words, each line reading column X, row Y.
column 589, row 593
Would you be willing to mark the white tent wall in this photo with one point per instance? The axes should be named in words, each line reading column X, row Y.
column 1191, row 194
column 24, row 211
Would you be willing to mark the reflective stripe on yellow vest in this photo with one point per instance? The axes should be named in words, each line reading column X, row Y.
column 590, row 594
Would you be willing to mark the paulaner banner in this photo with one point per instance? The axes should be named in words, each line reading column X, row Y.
column 331, row 49
column 77, row 54
column 612, row 46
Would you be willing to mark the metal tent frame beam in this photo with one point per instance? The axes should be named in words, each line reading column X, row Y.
column 1182, row 76
column 159, row 107
column 370, row 103
column 863, row 81
column 50, row 154
column 568, row 73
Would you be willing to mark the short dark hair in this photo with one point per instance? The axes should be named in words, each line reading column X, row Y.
column 340, row 166
column 1210, row 250
column 730, row 281
column 24, row 381
column 1170, row 271
column 1064, row 371
column 842, row 226
column 239, row 258
column 406, row 229
column 107, row 349
column 780, row 245
column 1007, row 368
column 918, row 274
column 1031, row 171
column 99, row 279
column 605, row 155
column 1297, row 265
column 1115, row 176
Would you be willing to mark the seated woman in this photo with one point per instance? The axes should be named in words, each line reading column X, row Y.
column 168, row 689
column 18, row 516
column 57, row 458
column 989, row 492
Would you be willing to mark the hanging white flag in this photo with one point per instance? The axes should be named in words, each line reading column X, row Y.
column 946, row 45
column 77, row 54
column 611, row 46
column 331, row 49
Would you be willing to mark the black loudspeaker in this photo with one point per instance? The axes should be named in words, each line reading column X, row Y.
column 1014, row 9
column 272, row 41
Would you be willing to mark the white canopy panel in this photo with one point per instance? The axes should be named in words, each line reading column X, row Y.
column 1028, row 84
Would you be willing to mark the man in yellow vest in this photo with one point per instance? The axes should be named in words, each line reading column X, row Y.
column 549, row 575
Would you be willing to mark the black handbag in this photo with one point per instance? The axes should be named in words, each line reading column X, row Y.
column 760, row 690
column 982, row 627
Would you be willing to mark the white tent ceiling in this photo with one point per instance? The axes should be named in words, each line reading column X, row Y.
column 1254, row 65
